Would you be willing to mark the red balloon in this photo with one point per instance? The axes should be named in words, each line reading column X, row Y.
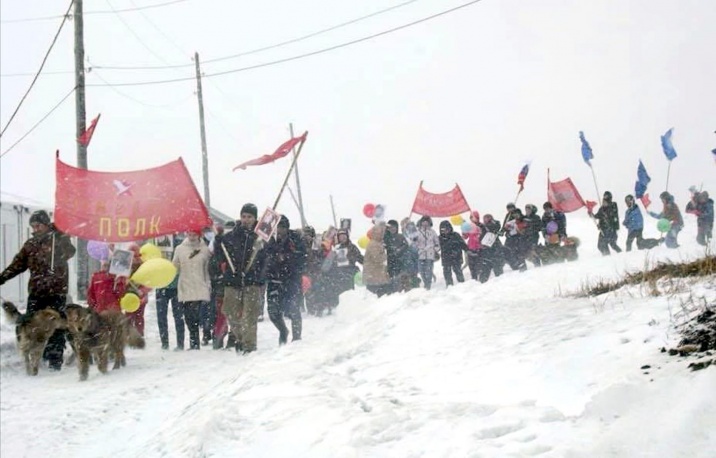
column 305, row 283
column 369, row 210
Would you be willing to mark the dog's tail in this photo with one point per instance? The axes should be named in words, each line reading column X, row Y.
column 11, row 312
column 134, row 338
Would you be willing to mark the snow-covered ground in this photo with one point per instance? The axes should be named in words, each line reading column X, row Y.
column 513, row 367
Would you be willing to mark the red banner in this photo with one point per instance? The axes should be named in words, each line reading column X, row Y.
column 280, row 152
column 440, row 205
column 563, row 196
column 127, row 206
column 86, row 137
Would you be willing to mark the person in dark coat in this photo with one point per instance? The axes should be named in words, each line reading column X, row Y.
column 491, row 255
column 347, row 255
column 396, row 248
column 513, row 228
column 45, row 255
column 633, row 222
column 243, row 280
column 607, row 218
column 451, row 247
column 532, row 229
column 285, row 264
column 703, row 207
column 313, row 268
column 550, row 214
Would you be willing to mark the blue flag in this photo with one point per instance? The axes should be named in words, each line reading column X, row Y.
column 642, row 181
column 666, row 144
column 586, row 149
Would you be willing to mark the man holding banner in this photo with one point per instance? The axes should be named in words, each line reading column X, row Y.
column 243, row 279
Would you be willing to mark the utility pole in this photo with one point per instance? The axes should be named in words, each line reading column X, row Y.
column 81, row 125
column 204, row 154
column 298, row 185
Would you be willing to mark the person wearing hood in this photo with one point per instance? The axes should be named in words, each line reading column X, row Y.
column 451, row 247
column 607, row 218
column 411, row 260
column 313, row 268
column 245, row 258
column 191, row 258
column 346, row 256
column 671, row 212
column 285, row 264
column 396, row 248
column 375, row 263
column 633, row 222
column 514, row 229
column 491, row 250
column 533, row 228
column 474, row 245
column 428, row 249
column 702, row 206
column 45, row 255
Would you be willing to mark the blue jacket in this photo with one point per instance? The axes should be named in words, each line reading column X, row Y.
column 633, row 220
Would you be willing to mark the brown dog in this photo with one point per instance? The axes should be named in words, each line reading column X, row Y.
column 33, row 331
column 99, row 335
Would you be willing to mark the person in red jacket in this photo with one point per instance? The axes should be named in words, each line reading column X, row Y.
column 105, row 290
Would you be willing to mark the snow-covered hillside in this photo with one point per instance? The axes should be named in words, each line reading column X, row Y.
column 513, row 367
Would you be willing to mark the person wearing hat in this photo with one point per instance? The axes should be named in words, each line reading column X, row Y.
column 607, row 218
column 243, row 280
column 671, row 212
column 285, row 263
column 45, row 255
column 428, row 249
column 633, row 222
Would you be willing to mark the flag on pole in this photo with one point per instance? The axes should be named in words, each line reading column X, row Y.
column 667, row 146
column 587, row 154
column 280, row 152
column 645, row 201
column 642, row 181
column 522, row 176
column 86, row 137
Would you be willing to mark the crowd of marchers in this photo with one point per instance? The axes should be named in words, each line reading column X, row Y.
column 225, row 282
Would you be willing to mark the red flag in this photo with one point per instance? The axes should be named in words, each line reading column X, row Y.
column 523, row 176
column 127, row 206
column 86, row 137
column 446, row 204
column 645, row 201
column 282, row 151
column 564, row 197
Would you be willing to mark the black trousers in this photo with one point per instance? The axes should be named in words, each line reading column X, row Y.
column 192, row 315
column 164, row 298
column 634, row 235
column 607, row 239
column 56, row 345
column 283, row 299
column 452, row 266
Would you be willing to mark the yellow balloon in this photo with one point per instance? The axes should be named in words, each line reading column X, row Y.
column 363, row 242
column 149, row 251
column 155, row 273
column 456, row 220
column 129, row 302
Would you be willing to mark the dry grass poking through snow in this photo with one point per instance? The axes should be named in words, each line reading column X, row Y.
column 703, row 267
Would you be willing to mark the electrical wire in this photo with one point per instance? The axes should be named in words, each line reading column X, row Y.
column 263, row 48
column 42, row 65
column 39, row 122
column 125, row 10
column 220, row 59
column 297, row 57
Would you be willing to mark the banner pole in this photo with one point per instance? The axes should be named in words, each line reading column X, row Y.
column 290, row 170
column 594, row 177
column 668, row 172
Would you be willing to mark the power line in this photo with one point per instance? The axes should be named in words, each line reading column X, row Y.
column 263, row 48
column 39, row 122
column 42, row 65
column 134, row 34
column 300, row 56
column 218, row 59
column 125, row 10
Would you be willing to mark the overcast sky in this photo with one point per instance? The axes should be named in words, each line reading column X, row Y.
column 467, row 97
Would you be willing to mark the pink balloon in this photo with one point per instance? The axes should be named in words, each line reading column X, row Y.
column 369, row 210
